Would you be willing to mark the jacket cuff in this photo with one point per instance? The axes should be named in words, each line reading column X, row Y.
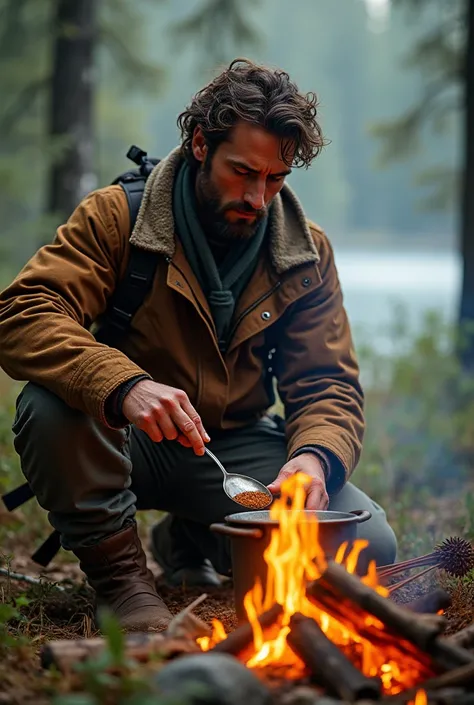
column 114, row 402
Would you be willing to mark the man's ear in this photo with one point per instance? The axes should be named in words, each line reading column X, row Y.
column 199, row 145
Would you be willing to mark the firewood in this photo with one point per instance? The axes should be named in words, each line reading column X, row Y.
column 423, row 631
column 140, row 646
column 430, row 603
column 463, row 638
column 329, row 666
column 352, row 615
column 241, row 638
column 457, row 677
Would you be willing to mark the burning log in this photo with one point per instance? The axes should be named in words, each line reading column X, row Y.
column 357, row 620
column 463, row 638
column 241, row 638
column 434, row 687
column 423, row 632
column 140, row 646
column 420, row 632
column 432, row 602
column 327, row 663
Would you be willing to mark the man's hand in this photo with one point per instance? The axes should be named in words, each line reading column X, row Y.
column 309, row 463
column 165, row 412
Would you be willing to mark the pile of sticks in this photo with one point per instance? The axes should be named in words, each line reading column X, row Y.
column 412, row 640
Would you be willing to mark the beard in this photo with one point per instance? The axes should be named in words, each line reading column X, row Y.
column 214, row 214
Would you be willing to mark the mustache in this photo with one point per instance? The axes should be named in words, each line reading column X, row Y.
column 245, row 208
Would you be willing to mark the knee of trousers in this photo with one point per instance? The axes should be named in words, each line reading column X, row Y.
column 382, row 546
column 60, row 449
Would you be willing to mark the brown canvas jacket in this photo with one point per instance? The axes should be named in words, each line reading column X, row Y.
column 46, row 314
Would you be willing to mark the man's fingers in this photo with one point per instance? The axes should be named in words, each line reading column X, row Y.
column 184, row 441
column 275, row 486
column 317, row 497
column 165, row 422
column 188, row 429
column 153, row 431
column 189, row 409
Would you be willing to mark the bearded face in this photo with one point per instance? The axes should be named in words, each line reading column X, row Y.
column 236, row 183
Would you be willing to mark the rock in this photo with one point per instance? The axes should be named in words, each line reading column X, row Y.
column 305, row 695
column 211, row 679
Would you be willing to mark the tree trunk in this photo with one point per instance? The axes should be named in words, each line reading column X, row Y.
column 467, row 210
column 71, row 105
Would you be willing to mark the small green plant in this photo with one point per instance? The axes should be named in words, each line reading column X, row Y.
column 10, row 613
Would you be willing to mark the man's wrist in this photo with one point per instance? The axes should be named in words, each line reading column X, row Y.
column 320, row 454
column 114, row 403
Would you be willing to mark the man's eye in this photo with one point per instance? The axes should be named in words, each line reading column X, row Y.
column 241, row 172
column 276, row 179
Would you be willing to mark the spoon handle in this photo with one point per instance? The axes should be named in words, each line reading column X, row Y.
column 216, row 460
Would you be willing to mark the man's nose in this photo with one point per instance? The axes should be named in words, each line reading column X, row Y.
column 255, row 196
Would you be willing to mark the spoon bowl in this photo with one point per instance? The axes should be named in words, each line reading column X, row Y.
column 234, row 484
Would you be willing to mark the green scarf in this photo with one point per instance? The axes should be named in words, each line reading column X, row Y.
column 221, row 283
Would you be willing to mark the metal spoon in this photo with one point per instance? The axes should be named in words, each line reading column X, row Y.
column 234, row 483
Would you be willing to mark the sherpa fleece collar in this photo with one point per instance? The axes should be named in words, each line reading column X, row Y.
column 291, row 243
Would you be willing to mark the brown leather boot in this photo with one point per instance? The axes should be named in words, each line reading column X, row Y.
column 116, row 569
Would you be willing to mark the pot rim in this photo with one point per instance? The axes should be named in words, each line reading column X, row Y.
column 322, row 516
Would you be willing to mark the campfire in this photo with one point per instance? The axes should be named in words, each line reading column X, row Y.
column 316, row 615
column 317, row 621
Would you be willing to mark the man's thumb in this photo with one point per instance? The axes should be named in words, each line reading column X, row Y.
column 275, row 486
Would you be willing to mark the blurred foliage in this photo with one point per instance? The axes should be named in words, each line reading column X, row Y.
column 26, row 152
column 438, row 54
column 235, row 28
column 419, row 408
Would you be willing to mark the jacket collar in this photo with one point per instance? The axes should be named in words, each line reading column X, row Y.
column 291, row 243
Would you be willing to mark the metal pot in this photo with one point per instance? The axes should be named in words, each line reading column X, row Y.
column 250, row 534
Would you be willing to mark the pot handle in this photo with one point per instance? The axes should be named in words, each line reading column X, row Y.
column 362, row 515
column 236, row 531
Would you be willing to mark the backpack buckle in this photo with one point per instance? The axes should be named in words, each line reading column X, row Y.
column 136, row 155
column 121, row 319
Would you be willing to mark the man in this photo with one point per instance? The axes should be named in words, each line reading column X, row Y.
column 103, row 431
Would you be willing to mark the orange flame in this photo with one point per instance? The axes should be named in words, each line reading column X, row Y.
column 421, row 698
column 295, row 557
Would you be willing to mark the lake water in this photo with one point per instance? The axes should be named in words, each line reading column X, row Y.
column 374, row 282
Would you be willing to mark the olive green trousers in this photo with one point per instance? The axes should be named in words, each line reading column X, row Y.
column 93, row 479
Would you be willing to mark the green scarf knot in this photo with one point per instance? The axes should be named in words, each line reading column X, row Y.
column 221, row 283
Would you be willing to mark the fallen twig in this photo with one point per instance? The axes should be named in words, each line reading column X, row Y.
column 27, row 578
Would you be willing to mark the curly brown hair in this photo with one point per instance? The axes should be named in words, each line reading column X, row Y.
column 260, row 96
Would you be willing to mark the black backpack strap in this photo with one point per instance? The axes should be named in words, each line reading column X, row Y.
column 129, row 296
column 133, row 184
column 15, row 498
column 48, row 549
column 141, row 268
